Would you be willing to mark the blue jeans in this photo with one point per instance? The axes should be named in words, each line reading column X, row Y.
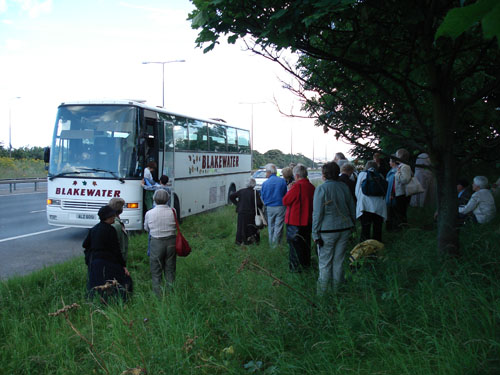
column 275, row 221
column 331, row 260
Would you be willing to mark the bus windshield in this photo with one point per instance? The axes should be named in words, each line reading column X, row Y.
column 95, row 141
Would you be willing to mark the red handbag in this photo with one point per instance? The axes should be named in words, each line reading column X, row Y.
column 182, row 247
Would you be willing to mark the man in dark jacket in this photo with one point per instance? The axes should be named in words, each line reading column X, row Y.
column 298, row 217
column 104, row 257
column 346, row 172
column 464, row 192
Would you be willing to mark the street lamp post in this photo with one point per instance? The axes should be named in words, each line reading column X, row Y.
column 10, row 126
column 313, row 153
column 163, row 75
column 251, row 123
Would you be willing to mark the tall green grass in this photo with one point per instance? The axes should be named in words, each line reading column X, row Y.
column 411, row 312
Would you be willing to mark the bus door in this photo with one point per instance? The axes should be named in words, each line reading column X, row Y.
column 167, row 149
column 151, row 141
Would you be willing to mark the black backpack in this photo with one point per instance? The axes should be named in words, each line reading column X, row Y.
column 374, row 185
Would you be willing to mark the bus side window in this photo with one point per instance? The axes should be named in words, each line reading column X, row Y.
column 243, row 141
column 198, row 135
column 232, row 146
column 217, row 137
column 181, row 139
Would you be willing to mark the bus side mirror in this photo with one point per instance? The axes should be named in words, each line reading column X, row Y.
column 46, row 154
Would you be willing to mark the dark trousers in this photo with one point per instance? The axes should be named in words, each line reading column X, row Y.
column 390, row 223
column 246, row 230
column 463, row 219
column 402, row 203
column 101, row 271
column 299, row 242
column 369, row 220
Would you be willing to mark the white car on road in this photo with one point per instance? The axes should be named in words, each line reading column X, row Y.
column 260, row 177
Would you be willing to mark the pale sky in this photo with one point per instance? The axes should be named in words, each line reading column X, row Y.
column 52, row 51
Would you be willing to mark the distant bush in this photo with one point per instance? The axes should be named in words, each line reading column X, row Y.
column 35, row 152
column 278, row 158
column 19, row 168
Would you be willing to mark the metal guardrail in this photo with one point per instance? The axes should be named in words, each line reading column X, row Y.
column 12, row 182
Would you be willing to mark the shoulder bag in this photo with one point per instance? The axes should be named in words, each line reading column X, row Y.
column 260, row 220
column 413, row 187
column 182, row 247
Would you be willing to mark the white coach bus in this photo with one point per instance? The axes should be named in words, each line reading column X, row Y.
column 100, row 149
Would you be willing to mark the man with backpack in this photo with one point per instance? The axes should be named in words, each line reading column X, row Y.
column 371, row 208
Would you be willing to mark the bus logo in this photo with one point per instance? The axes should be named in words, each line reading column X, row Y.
column 109, row 193
column 219, row 161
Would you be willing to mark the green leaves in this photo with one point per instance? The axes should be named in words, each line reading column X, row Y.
column 280, row 13
column 459, row 20
column 491, row 23
column 199, row 20
column 278, row 23
column 232, row 39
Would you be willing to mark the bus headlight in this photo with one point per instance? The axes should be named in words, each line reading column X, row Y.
column 53, row 202
column 132, row 205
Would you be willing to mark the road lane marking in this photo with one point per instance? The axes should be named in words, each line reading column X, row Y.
column 33, row 234
column 34, row 212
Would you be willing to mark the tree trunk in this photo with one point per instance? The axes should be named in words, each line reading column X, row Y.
column 447, row 238
column 445, row 164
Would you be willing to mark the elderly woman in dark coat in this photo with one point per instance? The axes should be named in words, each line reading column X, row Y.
column 245, row 200
column 103, row 256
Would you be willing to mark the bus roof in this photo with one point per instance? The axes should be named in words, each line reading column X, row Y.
column 141, row 104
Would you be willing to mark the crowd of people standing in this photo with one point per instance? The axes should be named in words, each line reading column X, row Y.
column 325, row 215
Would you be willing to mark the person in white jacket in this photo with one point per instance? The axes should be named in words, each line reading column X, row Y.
column 401, row 179
column 370, row 210
column 481, row 206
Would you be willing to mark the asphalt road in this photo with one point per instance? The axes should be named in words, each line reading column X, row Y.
column 27, row 242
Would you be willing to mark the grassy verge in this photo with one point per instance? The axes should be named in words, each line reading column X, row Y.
column 410, row 313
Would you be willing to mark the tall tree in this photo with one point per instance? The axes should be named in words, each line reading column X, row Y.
column 371, row 69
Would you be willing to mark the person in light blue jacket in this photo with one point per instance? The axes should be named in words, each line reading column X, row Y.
column 272, row 192
column 334, row 216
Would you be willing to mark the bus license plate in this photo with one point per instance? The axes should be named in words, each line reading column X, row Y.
column 86, row 216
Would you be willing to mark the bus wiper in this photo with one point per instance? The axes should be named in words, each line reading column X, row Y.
column 51, row 177
column 121, row 179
